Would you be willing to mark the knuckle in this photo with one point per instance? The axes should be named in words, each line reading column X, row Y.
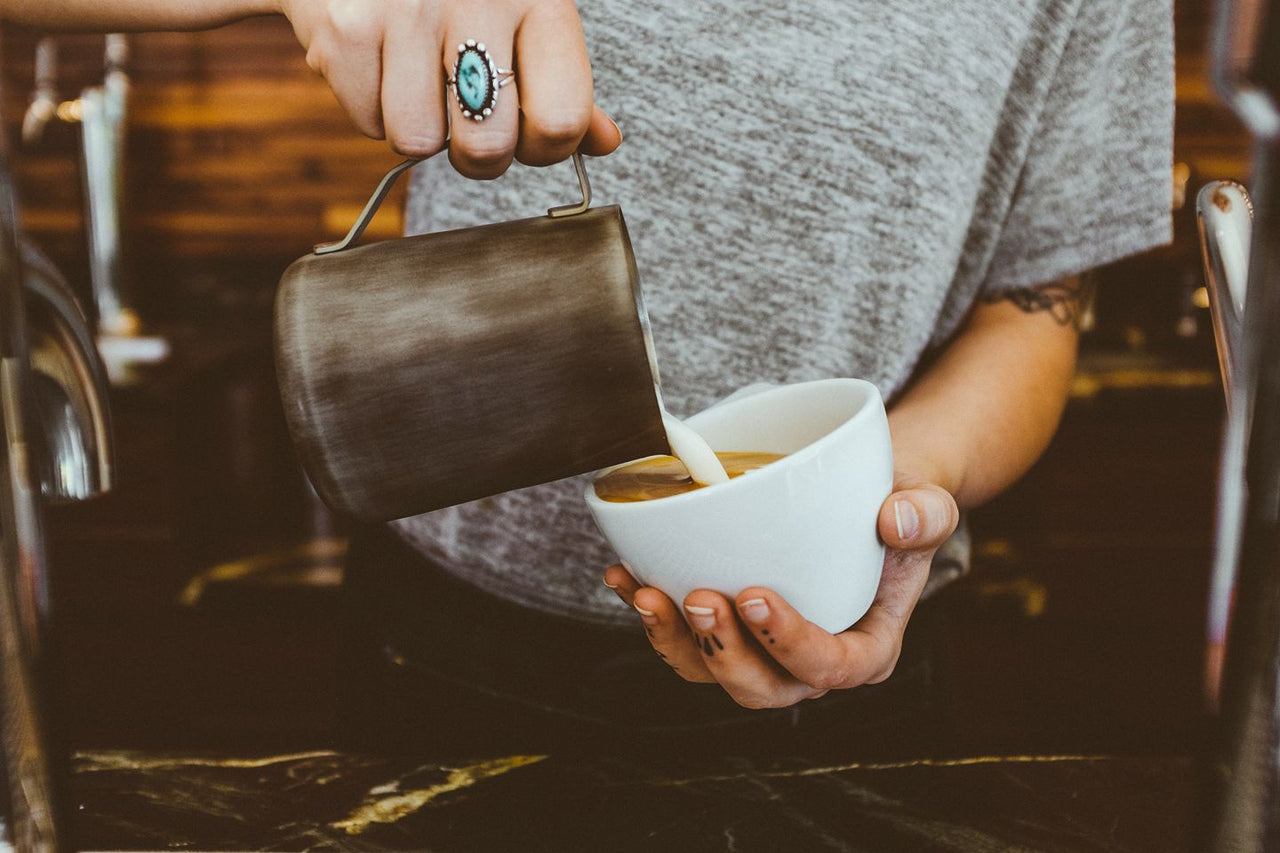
column 827, row 679
column 891, row 663
column 481, row 158
column 754, row 702
column 693, row 674
column 351, row 20
column 408, row 9
column 883, row 674
column 562, row 129
column 415, row 144
column 556, row 10
column 315, row 58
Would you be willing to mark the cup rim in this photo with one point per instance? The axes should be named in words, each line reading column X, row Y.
column 798, row 455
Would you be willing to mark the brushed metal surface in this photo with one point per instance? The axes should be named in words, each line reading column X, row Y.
column 432, row 370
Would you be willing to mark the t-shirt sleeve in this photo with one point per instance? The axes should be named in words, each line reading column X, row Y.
column 1097, row 181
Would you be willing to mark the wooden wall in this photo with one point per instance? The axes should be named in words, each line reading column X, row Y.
column 239, row 158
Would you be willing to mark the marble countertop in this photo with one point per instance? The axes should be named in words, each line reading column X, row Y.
column 326, row 800
column 246, row 657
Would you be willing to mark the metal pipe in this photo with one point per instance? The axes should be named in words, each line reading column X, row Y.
column 31, row 789
column 69, row 389
column 1245, row 765
column 1242, row 808
column 44, row 98
column 55, row 441
column 1224, row 215
column 102, row 116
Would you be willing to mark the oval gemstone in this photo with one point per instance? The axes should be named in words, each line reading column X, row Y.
column 475, row 88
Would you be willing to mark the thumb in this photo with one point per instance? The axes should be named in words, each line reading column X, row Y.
column 920, row 517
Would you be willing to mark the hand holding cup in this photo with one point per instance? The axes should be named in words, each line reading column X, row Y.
column 795, row 631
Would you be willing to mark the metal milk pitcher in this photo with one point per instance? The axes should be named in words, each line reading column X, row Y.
column 427, row 371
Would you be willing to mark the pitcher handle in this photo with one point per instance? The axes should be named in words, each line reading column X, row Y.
column 389, row 180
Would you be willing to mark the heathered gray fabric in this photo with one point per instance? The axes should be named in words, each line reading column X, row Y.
column 822, row 189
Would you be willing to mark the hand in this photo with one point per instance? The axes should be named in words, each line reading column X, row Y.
column 388, row 61
column 763, row 653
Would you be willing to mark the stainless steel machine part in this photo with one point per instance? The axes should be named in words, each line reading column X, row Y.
column 1242, row 807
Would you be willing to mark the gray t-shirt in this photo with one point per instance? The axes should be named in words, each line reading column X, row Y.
column 823, row 189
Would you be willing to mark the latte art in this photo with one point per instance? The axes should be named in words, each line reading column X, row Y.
column 664, row 476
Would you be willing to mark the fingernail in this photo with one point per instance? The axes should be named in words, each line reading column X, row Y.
column 702, row 618
column 621, row 138
column 907, row 519
column 755, row 610
column 648, row 617
column 611, row 586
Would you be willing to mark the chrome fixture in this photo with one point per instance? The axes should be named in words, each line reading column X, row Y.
column 55, row 445
column 102, row 123
column 32, row 809
column 44, row 98
column 1242, row 808
column 72, row 447
column 102, row 113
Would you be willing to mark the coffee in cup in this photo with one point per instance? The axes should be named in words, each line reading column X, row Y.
column 664, row 476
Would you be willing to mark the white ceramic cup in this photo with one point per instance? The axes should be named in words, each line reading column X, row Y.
column 804, row 526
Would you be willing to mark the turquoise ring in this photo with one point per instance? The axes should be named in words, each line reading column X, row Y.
column 477, row 79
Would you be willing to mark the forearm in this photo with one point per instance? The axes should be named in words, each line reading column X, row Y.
column 979, row 417
column 131, row 15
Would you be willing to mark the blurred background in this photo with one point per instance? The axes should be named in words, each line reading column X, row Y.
column 197, row 604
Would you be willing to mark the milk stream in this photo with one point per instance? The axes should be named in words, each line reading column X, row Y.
column 694, row 452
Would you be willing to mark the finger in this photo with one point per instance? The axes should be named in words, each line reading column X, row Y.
column 618, row 579
column 482, row 146
column 743, row 668
column 603, row 135
column 865, row 654
column 346, row 50
column 413, row 106
column 920, row 517
column 670, row 636
column 555, row 84
column 663, row 633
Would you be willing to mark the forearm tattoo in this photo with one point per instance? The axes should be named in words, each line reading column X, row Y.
column 1066, row 301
